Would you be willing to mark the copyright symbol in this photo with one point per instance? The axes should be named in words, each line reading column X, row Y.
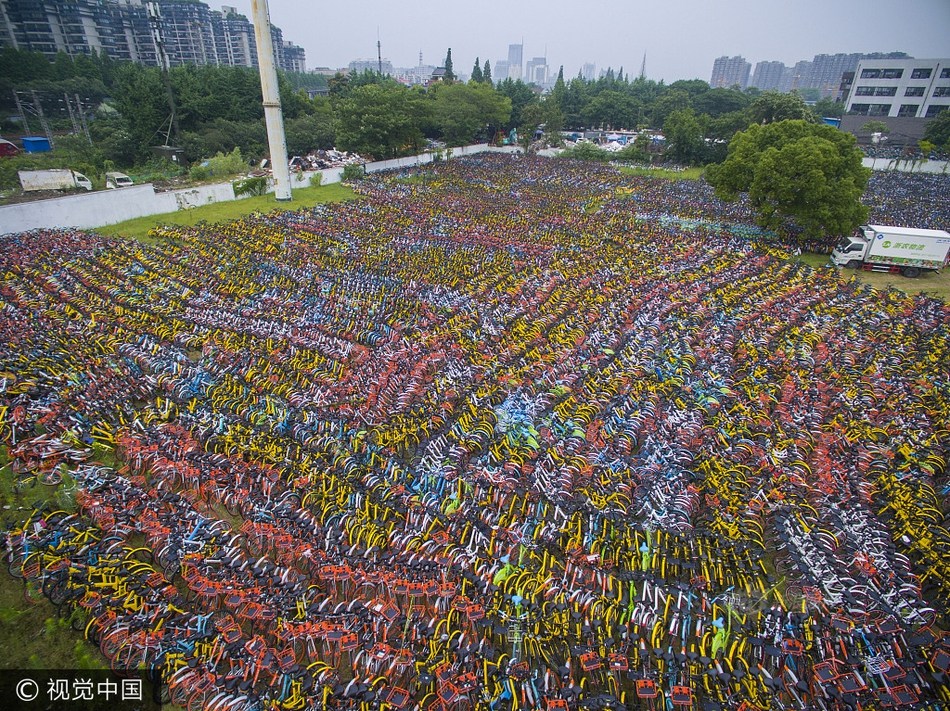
column 27, row 690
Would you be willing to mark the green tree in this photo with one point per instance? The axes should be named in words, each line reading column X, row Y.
column 521, row 96
column 828, row 107
column 380, row 120
column 726, row 126
column 772, row 106
column 466, row 111
column 110, row 134
column 338, row 85
column 313, row 131
column 693, row 87
column 938, row 130
column 612, row 108
column 809, row 172
column 875, row 127
column 486, row 73
column 718, row 102
column 140, row 98
column 575, row 98
column 531, row 118
column 477, row 76
column 668, row 102
column 449, row 72
column 684, row 137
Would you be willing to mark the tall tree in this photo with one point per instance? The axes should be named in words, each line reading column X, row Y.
column 464, row 112
column 477, row 76
column 449, row 72
column 771, row 106
column 521, row 97
column 684, row 136
column 809, row 172
column 486, row 72
column 379, row 120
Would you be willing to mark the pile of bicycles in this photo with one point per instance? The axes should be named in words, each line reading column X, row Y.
column 523, row 435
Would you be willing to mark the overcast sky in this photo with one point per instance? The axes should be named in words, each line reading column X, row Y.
column 681, row 38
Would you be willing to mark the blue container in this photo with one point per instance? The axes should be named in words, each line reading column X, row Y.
column 36, row 144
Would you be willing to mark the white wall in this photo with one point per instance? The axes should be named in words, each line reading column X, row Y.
column 907, row 166
column 107, row 207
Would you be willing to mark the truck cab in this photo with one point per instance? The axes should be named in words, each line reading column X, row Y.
column 117, row 180
column 849, row 252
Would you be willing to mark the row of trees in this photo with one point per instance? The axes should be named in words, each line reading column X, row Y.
column 219, row 108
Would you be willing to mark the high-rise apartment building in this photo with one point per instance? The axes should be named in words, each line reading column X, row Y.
column 730, row 71
column 768, row 76
column 589, row 71
column 188, row 32
column 827, row 70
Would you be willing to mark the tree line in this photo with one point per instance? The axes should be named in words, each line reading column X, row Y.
column 218, row 108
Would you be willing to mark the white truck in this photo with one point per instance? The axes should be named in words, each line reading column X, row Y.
column 905, row 250
column 54, row 179
column 117, row 180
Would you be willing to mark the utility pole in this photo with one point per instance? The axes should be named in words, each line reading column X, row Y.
column 38, row 107
column 82, row 118
column 72, row 116
column 158, row 37
column 22, row 111
column 273, row 115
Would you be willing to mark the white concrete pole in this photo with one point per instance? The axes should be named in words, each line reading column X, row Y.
column 273, row 115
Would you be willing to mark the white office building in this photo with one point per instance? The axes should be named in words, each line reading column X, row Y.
column 917, row 88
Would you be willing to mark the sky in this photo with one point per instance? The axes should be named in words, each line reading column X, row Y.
column 681, row 38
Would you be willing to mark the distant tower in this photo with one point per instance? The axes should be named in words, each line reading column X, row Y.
column 515, row 59
column 643, row 67
column 420, row 57
column 379, row 53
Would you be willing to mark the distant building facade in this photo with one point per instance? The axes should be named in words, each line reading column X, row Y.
column 909, row 88
column 769, row 76
column 499, row 70
column 536, row 71
column 372, row 65
column 589, row 71
column 730, row 71
column 515, row 61
column 152, row 32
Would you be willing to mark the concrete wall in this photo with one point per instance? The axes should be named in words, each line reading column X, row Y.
column 107, row 207
column 907, row 166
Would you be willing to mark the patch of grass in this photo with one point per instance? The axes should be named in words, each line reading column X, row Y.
column 665, row 173
column 230, row 210
column 415, row 179
column 928, row 283
column 31, row 635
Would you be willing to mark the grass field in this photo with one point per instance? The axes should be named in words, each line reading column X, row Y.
column 230, row 210
column 687, row 174
column 935, row 285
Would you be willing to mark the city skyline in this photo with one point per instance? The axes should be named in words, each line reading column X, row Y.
column 681, row 38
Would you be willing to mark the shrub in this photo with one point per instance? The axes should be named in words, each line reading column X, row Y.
column 250, row 186
column 221, row 165
column 316, row 180
column 354, row 171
